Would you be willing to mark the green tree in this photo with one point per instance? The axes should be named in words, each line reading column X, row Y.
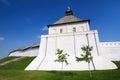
column 62, row 58
column 86, row 57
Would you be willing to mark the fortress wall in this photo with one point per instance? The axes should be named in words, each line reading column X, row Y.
column 28, row 52
column 70, row 43
column 110, row 50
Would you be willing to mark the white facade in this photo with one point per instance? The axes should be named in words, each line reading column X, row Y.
column 70, row 42
column 70, row 34
column 68, row 28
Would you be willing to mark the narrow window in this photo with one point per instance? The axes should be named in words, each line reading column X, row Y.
column 61, row 30
column 74, row 29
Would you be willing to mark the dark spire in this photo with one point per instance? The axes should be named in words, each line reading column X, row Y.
column 69, row 11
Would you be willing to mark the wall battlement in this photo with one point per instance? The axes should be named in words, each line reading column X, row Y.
column 109, row 44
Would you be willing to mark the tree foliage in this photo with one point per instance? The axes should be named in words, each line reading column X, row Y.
column 61, row 57
column 87, row 56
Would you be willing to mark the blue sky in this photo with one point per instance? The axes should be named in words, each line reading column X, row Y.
column 23, row 21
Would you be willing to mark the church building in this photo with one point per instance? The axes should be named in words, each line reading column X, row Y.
column 69, row 34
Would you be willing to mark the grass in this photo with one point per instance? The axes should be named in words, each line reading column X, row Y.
column 7, row 59
column 17, row 72
column 49, row 75
column 20, row 65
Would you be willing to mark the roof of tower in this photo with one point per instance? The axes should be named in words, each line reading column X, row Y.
column 68, row 18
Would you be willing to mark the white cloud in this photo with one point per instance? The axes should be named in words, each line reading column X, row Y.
column 39, row 36
column 45, row 28
column 6, row 2
column 1, row 38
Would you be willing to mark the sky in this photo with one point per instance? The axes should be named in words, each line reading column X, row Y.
column 22, row 22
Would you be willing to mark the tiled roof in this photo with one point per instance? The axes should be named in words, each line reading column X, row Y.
column 25, row 48
column 67, row 19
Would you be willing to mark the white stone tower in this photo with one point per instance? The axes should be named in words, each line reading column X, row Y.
column 69, row 34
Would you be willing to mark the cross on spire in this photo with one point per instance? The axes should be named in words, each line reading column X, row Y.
column 69, row 11
column 68, row 8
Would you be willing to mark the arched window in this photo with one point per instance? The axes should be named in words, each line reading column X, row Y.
column 61, row 30
column 74, row 29
column 81, row 28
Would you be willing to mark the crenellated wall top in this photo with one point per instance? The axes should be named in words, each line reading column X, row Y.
column 109, row 44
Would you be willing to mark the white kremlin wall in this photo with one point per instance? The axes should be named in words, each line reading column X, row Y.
column 46, row 57
column 32, row 50
column 29, row 52
column 110, row 50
